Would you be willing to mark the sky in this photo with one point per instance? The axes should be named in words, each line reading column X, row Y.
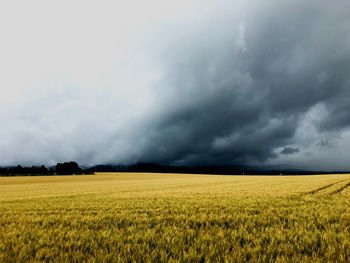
column 224, row 82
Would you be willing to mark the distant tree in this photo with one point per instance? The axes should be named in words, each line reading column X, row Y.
column 17, row 170
column 68, row 168
column 88, row 171
column 32, row 170
column 51, row 170
column 43, row 170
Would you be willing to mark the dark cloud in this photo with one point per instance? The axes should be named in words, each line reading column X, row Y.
column 239, row 105
column 289, row 150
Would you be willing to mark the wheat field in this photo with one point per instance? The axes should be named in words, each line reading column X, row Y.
column 140, row 217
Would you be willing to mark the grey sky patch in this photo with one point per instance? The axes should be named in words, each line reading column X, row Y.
column 325, row 143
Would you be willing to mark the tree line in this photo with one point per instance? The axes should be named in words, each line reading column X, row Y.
column 66, row 168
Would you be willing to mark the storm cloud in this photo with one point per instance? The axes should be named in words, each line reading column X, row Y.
column 196, row 83
column 289, row 150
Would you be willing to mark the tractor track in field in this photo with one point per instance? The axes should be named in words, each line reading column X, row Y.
column 340, row 189
column 327, row 186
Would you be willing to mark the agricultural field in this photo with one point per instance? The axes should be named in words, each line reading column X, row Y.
column 121, row 217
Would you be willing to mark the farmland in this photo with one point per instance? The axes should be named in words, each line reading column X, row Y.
column 139, row 217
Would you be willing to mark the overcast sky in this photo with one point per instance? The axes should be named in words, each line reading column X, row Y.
column 176, row 82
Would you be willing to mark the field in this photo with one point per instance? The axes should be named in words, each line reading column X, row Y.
column 118, row 217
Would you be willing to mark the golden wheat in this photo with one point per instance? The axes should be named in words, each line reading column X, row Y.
column 121, row 217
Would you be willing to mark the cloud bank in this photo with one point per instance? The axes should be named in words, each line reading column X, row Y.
column 194, row 83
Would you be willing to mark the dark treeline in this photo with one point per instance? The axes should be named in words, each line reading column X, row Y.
column 26, row 170
column 223, row 170
column 66, row 168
